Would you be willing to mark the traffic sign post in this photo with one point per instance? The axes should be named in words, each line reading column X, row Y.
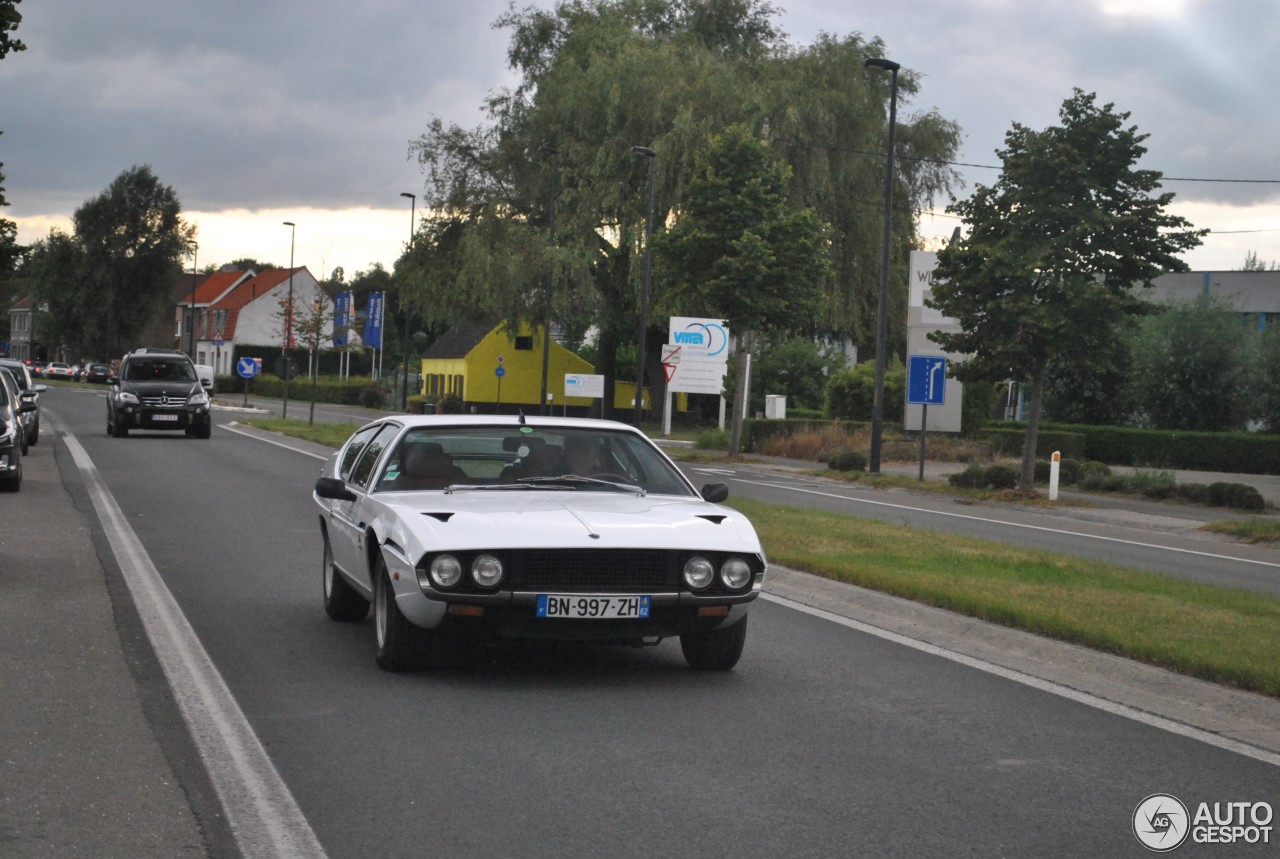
column 499, row 371
column 926, row 386
column 247, row 368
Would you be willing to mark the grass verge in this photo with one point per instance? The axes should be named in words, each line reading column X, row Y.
column 332, row 435
column 1249, row 530
column 1224, row 636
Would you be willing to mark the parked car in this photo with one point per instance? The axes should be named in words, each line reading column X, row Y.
column 13, row 436
column 36, row 368
column 157, row 389
column 98, row 374
column 30, row 391
column 537, row 528
column 58, row 370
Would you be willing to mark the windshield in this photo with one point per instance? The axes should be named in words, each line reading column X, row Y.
column 519, row 457
column 160, row 370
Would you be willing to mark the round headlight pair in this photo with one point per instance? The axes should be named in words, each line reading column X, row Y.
column 699, row 572
column 446, row 571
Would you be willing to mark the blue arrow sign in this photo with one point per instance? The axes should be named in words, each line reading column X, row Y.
column 247, row 368
column 926, row 380
column 499, row 371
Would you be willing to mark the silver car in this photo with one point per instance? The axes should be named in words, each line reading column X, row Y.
column 30, row 393
column 537, row 528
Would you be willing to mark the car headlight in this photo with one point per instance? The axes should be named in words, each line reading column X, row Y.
column 199, row 398
column 735, row 573
column 486, row 571
column 445, row 571
column 698, row 572
column 126, row 398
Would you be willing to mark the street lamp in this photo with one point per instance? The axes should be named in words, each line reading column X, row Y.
column 644, row 295
column 288, row 323
column 191, row 336
column 404, row 306
column 882, row 310
column 551, row 241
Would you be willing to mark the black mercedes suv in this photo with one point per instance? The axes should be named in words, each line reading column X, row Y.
column 158, row 389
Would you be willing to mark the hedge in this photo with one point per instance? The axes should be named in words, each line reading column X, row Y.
column 1008, row 442
column 329, row 389
column 756, row 430
column 1237, row 452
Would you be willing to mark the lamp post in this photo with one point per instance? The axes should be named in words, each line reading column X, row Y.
column 543, row 408
column 404, row 306
column 288, row 323
column 882, row 309
column 191, row 335
column 644, row 294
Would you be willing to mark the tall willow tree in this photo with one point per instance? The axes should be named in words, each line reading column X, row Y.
column 597, row 77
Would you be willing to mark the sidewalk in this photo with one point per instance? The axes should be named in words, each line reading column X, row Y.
column 82, row 769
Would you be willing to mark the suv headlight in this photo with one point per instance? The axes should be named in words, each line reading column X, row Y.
column 199, row 398
column 127, row 398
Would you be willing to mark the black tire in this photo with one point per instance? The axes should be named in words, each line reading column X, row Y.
column 341, row 601
column 717, row 650
column 117, row 429
column 35, row 433
column 200, row 432
column 23, row 444
column 401, row 646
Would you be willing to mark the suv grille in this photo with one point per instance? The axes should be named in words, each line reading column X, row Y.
column 164, row 402
column 594, row 570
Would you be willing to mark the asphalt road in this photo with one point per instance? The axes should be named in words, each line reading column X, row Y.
column 826, row 741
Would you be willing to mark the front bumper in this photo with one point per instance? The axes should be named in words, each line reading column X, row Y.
column 147, row 418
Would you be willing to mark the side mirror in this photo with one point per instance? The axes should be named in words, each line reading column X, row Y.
column 113, row 381
column 334, row 489
column 715, row 492
column 27, row 406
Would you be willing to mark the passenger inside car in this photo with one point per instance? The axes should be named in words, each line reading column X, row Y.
column 425, row 465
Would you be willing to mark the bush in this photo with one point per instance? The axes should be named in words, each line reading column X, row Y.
column 991, row 477
column 848, row 460
column 850, row 394
column 1240, row 496
column 712, row 439
column 1069, row 471
column 372, row 397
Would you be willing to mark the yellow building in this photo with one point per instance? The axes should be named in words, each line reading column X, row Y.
column 466, row 359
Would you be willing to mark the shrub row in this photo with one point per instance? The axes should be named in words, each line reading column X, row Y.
column 1245, row 453
column 329, row 389
column 1008, row 441
column 756, row 431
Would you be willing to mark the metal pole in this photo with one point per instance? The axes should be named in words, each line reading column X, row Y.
column 288, row 324
column 191, row 337
column 882, row 312
column 644, row 295
column 404, row 308
column 543, row 408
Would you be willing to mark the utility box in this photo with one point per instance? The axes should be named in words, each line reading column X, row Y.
column 775, row 407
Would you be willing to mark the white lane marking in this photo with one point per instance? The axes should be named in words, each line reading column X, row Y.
column 1010, row 524
column 256, row 437
column 264, row 817
column 1052, row 688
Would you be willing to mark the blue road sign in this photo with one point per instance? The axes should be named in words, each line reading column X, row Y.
column 247, row 368
column 499, row 371
column 926, row 380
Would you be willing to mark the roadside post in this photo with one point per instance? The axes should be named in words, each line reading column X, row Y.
column 926, row 386
column 1054, row 465
column 499, row 371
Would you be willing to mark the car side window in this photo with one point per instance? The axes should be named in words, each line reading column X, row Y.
column 354, row 449
column 364, row 466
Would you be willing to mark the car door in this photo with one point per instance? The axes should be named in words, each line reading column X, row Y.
column 357, row 468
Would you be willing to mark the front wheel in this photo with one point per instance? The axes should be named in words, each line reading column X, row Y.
column 717, row 650
column 13, row 483
column 401, row 645
column 341, row 601
column 118, row 430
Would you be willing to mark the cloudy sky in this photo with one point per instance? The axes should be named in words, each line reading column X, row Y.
column 302, row 110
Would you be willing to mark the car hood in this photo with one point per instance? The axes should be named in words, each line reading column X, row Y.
column 497, row 519
column 173, row 390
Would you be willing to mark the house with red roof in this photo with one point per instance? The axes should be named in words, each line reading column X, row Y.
column 242, row 308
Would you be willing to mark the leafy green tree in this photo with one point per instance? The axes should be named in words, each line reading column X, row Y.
column 796, row 367
column 596, row 77
column 1054, row 251
column 109, row 281
column 10, row 18
column 1264, row 381
column 1189, row 368
column 850, row 394
column 740, row 251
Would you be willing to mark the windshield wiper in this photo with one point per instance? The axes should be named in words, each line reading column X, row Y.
column 579, row 480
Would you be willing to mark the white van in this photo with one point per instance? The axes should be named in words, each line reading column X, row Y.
column 205, row 374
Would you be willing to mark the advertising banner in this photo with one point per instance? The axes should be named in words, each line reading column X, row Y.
column 373, row 321
column 342, row 307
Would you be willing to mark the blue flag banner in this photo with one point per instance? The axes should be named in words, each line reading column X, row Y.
column 341, row 318
column 373, row 321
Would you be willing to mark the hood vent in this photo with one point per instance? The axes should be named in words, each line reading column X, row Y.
column 442, row 517
column 713, row 518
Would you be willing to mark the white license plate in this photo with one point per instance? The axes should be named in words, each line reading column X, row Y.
column 164, row 417
column 580, row 607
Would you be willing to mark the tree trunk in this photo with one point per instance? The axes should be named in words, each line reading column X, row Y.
column 1034, row 402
